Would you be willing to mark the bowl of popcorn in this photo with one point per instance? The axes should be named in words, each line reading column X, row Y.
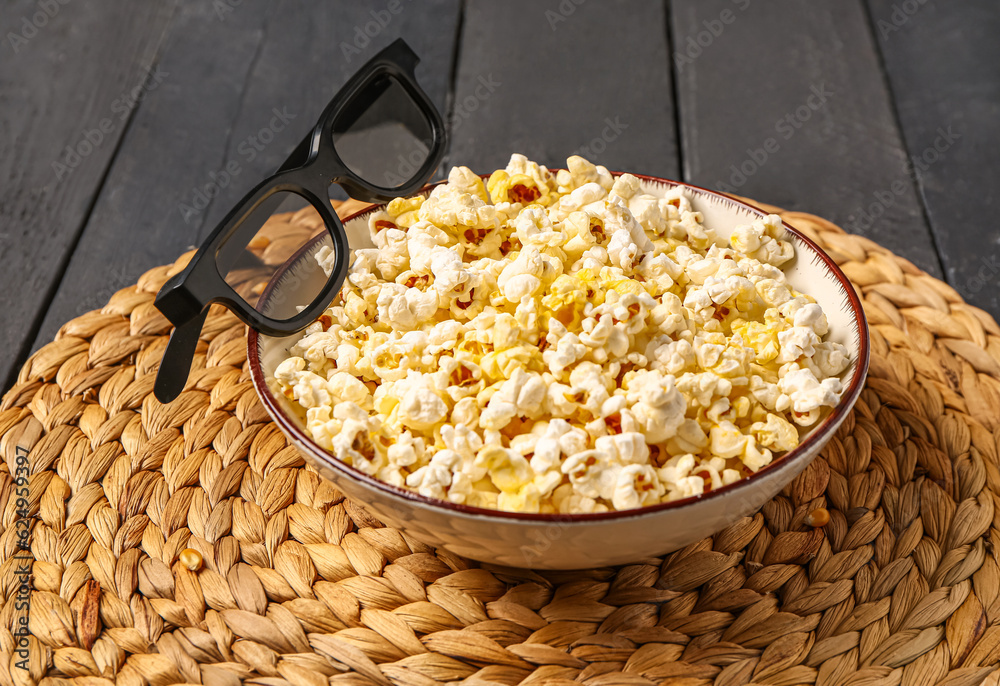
column 564, row 369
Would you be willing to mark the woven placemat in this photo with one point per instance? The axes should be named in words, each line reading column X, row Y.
column 106, row 487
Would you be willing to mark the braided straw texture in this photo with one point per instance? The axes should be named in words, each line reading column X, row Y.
column 299, row 586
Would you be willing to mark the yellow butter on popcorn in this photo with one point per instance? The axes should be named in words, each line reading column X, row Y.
column 562, row 343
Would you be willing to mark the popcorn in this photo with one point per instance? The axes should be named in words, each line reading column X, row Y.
column 526, row 499
column 352, row 442
column 690, row 438
column 579, row 171
column 562, row 343
column 406, row 451
column 593, row 474
column 753, row 457
column 466, row 412
column 405, row 308
column 589, row 195
column 346, row 388
column 522, row 277
column 449, row 272
column 605, row 340
column 508, row 470
column 677, row 474
column 769, row 395
column 449, row 206
column 626, row 448
column 808, row 393
column 403, row 211
column 668, row 315
column 761, row 240
column 421, row 408
column 701, row 388
column 811, row 316
column 773, row 292
column 582, row 230
column 393, row 256
column 568, row 501
column 775, row 433
column 830, row 359
column 726, row 440
column 522, row 394
column 432, row 479
column 567, row 351
column 761, row 338
column 658, row 405
column 533, row 227
column 310, row 390
column 796, row 342
column 287, row 371
column 637, row 485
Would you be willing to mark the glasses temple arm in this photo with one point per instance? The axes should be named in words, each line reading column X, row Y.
column 176, row 363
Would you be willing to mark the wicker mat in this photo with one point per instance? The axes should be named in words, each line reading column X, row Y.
column 282, row 581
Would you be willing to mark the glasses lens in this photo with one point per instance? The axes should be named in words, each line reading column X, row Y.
column 279, row 229
column 383, row 136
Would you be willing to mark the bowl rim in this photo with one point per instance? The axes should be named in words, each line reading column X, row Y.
column 804, row 450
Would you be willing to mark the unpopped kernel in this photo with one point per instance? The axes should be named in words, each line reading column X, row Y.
column 562, row 343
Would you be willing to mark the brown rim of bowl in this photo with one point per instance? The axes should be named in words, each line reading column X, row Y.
column 819, row 434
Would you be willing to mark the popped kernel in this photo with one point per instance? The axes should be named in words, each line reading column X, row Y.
column 562, row 343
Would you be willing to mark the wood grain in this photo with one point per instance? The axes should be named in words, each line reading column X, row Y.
column 176, row 140
column 233, row 113
column 941, row 60
column 300, row 76
column 57, row 87
column 545, row 78
column 752, row 119
column 550, row 79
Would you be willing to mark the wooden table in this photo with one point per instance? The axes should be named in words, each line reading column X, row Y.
column 116, row 115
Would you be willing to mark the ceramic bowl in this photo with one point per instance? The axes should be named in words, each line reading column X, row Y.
column 542, row 541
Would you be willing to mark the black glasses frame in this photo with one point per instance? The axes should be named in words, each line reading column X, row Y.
column 309, row 172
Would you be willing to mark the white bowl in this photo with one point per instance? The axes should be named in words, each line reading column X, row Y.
column 543, row 541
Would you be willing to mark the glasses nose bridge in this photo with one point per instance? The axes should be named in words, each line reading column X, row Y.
column 311, row 181
column 324, row 173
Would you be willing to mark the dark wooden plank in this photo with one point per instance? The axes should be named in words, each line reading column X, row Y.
column 943, row 64
column 279, row 57
column 550, row 79
column 61, row 78
column 177, row 135
column 308, row 55
column 785, row 102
